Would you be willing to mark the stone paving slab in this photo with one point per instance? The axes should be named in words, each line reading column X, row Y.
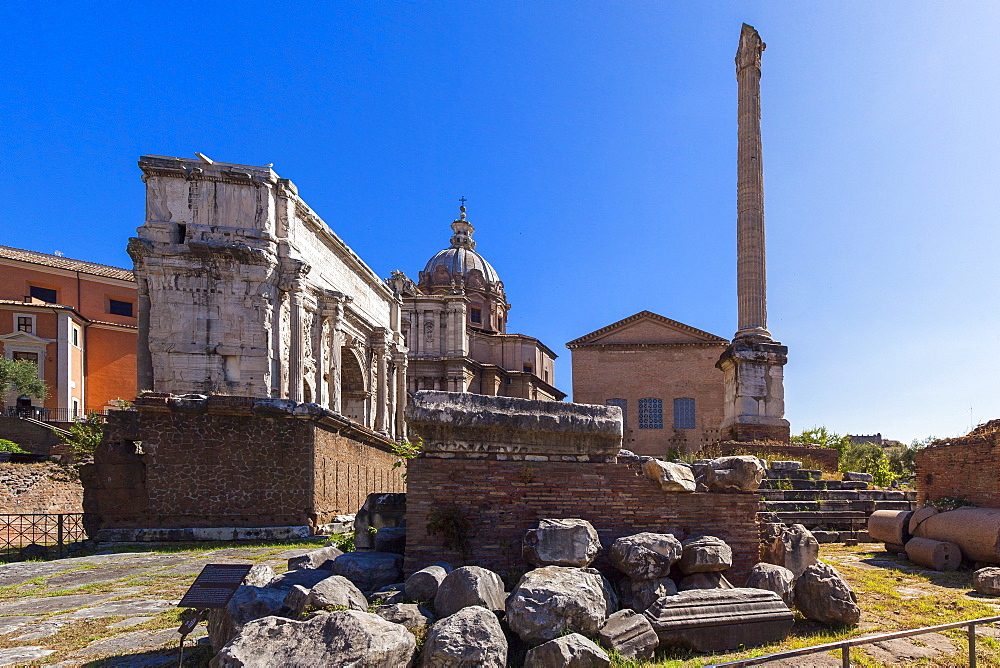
column 41, row 629
column 130, row 621
column 17, row 655
column 121, row 609
column 49, row 604
column 87, row 576
column 133, row 641
column 896, row 651
column 14, row 622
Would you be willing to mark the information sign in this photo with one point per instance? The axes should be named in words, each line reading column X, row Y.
column 214, row 586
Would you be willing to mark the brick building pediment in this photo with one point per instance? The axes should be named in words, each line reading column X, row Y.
column 646, row 327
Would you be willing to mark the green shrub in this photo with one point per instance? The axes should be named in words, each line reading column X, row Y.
column 11, row 446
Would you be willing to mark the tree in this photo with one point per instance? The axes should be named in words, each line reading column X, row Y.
column 85, row 435
column 21, row 376
column 822, row 436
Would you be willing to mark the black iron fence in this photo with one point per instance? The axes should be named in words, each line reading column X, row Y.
column 40, row 535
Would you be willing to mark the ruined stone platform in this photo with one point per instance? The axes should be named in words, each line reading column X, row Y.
column 838, row 508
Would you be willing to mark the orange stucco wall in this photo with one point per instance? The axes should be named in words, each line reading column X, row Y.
column 110, row 366
column 90, row 296
column 103, row 367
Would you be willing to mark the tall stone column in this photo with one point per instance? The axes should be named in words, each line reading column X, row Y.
column 335, row 317
column 753, row 363
column 399, row 359
column 751, row 271
column 292, row 282
column 380, row 351
column 295, row 345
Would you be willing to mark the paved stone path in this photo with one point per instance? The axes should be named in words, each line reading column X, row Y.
column 112, row 609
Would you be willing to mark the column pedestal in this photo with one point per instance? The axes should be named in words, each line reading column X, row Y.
column 754, row 409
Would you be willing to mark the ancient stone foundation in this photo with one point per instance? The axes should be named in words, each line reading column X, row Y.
column 38, row 488
column 492, row 467
column 227, row 467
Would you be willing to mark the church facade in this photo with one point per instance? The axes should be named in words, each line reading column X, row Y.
column 454, row 324
column 661, row 373
column 244, row 290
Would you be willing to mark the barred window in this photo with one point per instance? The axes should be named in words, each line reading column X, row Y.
column 622, row 404
column 651, row 413
column 684, row 413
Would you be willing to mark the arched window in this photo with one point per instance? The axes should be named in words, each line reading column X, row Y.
column 651, row 413
column 622, row 404
column 684, row 416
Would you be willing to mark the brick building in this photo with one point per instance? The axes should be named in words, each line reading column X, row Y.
column 455, row 325
column 77, row 321
column 663, row 375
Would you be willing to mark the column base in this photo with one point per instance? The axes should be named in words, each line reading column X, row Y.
column 743, row 432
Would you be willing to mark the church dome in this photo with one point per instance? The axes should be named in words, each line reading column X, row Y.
column 460, row 259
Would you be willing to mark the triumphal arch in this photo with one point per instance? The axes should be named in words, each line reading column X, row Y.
column 244, row 290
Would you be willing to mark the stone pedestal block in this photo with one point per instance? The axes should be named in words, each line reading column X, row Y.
column 463, row 424
column 717, row 620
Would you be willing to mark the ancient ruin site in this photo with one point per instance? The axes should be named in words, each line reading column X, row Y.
column 281, row 439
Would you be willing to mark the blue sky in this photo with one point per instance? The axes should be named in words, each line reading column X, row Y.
column 596, row 144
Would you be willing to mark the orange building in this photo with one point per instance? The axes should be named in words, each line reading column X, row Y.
column 77, row 321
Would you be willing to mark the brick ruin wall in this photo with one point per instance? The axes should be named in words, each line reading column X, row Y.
column 38, row 488
column 503, row 499
column 231, row 466
column 826, row 459
column 967, row 467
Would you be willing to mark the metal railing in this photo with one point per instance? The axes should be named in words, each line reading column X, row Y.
column 845, row 645
column 41, row 414
column 39, row 535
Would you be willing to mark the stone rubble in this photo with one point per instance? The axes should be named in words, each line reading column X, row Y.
column 570, row 651
column 469, row 638
column 705, row 554
column 346, row 638
column 640, row 594
column 566, row 542
column 793, row 547
column 469, row 585
column 986, row 581
column 822, row 595
column 549, row 600
column 672, row 477
column 319, row 559
column 630, row 634
column 370, row 571
column 714, row 580
column 739, row 473
column 778, row 579
column 646, row 556
column 423, row 585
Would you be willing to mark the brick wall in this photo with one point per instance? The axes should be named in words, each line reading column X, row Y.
column 968, row 467
column 664, row 371
column 503, row 499
column 232, row 461
column 826, row 459
column 38, row 488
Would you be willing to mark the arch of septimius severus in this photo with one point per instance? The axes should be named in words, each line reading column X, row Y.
column 244, row 290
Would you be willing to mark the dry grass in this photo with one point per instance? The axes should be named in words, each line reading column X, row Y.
column 948, row 598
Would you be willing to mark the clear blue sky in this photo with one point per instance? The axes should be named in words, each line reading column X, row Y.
column 596, row 143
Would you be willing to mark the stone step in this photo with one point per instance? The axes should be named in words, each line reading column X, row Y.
column 795, row 484
column 801, row 474
column 895, row 505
